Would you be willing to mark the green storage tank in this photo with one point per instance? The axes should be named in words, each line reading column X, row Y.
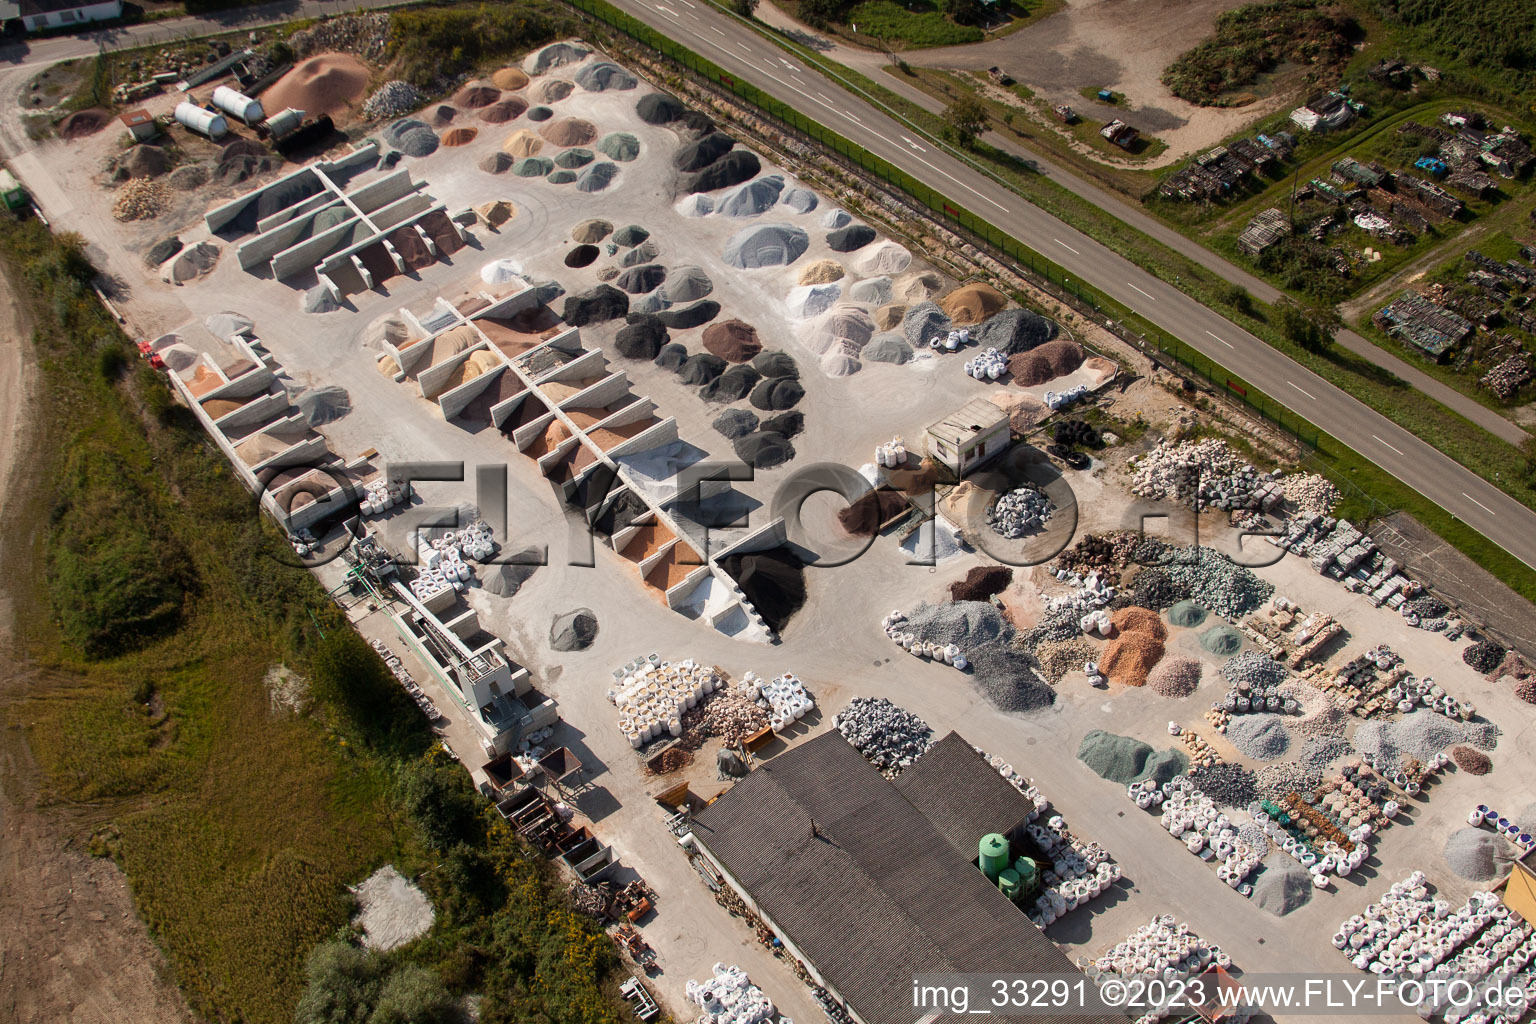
column 1028, row 872
column 1008, row 882
column 994, row 855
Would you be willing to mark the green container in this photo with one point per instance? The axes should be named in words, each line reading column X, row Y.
column 1008, row 882
column 993, row 855
column 1028, row 872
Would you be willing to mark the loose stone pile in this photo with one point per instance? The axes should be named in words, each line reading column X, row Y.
column 1253, row 685
column 1227, row 784
column 1310, row 493
column 1483, row 656
column 393, row 99
column 1203, row 474
column 1508, row 377
column 1206, row 577
column 1021, row 511
column 889, row 737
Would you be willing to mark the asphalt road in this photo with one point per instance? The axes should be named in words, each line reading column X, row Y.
column 743, row 52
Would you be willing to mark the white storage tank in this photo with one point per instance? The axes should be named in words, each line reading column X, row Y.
column 204, row 122
column 283, row 123
column 238, row 105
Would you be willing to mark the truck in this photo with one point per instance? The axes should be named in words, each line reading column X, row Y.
column 11, row 193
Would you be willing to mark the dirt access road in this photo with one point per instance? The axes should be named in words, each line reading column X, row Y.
column 72, row 948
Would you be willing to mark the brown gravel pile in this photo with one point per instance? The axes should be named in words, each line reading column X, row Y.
column 672, row 759
column 972, row 304
column 723, row 714
column 1473, row 762
column 590, row 231
column 569, row 131
column 82, row 123
column 981, row 583
column 510, row 78
column 1058, row 657
column 1140, row 620
column 460, row 137
column 732, row 340
column 1049, row 361
column 550, row 90
column 1136, row 648
column 863, row 516
column 1525, row 689
column 504, row 110
column 1175, row 677
column 476, row 95
column 140, row 199
column 1512, row 666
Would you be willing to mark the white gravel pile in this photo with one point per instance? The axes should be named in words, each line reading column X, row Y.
column 1201, row 474
column 1259, row 737
column 1419, row 734
column 889, row 737
column 1022, row 511
column 392, row 99
column 808, row 300
column 1281, row 885
column 1478, row 855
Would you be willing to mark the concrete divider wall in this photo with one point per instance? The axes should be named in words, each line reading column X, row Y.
column 623, row 536
column 647, row 564
column 454, row 402
column 434, row 378
column 523, row 436
column 680, row 593
column 567, row 341
column 257, row 410
column 662, row 433
column 303, row 453
column 635, row 411
column 771, row 535
column 378, row 194
column 552, row 457
column 503, row 410
column 307, row 254
column 288, row 213
column 259, row 249
column 219, row 216
column 466, row 623
column 586, row 364
column 510, row 305
column 610, row 389
column 252, row 382
column 439, row 318
column 403, row 211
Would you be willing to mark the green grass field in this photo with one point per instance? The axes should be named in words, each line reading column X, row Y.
column 915, row 24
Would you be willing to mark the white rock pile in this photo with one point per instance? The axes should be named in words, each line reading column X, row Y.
column 1021, row 511
column 1204, row 474
column 1312, row 495
column 889, row 737
column 729, row 998
column 392, row 99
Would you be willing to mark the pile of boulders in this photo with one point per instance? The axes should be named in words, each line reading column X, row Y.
column 1508, row 377
column 1021, row 511
column 1204, row 474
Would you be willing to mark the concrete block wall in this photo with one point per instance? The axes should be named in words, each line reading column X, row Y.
column 288, row 213
column 510, row 305
column 664, row 432
column 380, row 193
column 406, row 210
column 504, row 410
column 219, row 216
column 434, row 378
column 609, row 389
column 454, row 402
column 304, row 256
column 257, row 410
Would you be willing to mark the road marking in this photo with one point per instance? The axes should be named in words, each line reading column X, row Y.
column 1479, row 504
column 1299, row 389
column 744, row 48
column 687, row 4
column 716, row 31
column 1380, row 441
column 914, row 145
column 1067, row 247
column 1144, row 293
column 1224, row 341
column 664, row 9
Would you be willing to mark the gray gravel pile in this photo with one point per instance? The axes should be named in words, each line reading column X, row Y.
column 393, row 99
column 1005, row 674
column 597, row 177
column 1426, row 606
column 319, row 300
column 1321, row 715
column 850, row 238
column 573, row 631
column 644, row 278
column 1478, row 855
column 733, row 385
column 410, row 137
column 1163, row 765
column 734, row 423
column 1186, row 614
column 1013, row 331
column 1222, row 640
column 1419, row 734
column 645, row 252
column 1219, row 584
column 694, row 315
column 595, row 305
column 766, row 245
column 1227, row 784
column 1021, row 511
column 1484, row 656
column 321, row 405
column 555, row 55
column 751, row 199
column 1255, row 669
column 835, row 218
column 801, row 200
column 605, row 75
column 1174, row 676
column 922, row 322
column 1053, row 627
column 778, row 365
column 1152, row 588
column 1259, row 737
column 1281, row 885
column 1254, row 684
column 658, row 108
column 1276, row 781
column 1125, row 760
column 735, row 167
column 576, row 156
column 1320, row 753
column 506, row 580
column 764, row 449
column 875, row 291
column 889, row 737
column 1253, row 835
column 685, row 284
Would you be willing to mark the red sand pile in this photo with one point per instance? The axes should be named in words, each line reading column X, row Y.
column 1473, row 762
column 569, row 131
column 981, row 583
column 82, row 123
column 326, row 83
column 732, row 340
column 862, row 518
column 1049, row 361
column 459, row 136
column 476, row 95
column 411, row 248
column 1136, row 648
column 504, row 110
column 972, row 304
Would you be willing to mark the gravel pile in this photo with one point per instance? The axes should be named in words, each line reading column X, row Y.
column 1277, row 781
column 1053, row 627
column 1125, row 760
column 1484, row 656
column 597, row 177
column 735, row 167
column 701, row 368
column 766, row 245
column 1426, row 606
column 1320, row 753
column 1281, row 885
column 1153, row 588
column 641, row 338
column 1310, row 493
column 603, row 302
column 1059, row 657
column 1186, row 614
column 850, row 238
column 141, row 199
column 1259, row 737
column 496, row 163
column 1257, row 670
column 573, row 631
column 1478, row 855
column 412, row 137
column 776, row 395
column 1004, row 673
column 1222, row 640
column 696, row 205
column 764, row 449
column 392, row 100
column 835, row 218
column 687, row 284
column 1173, row 677
column 731, row 340
column 888, row 347
column 658, row 108
column 1419, row 734
column 605, row 75
column 922, row 322
column 734, row 423
column 872, row 291
column 638, row 280
column 889, row 737
column 790, row 424
column 1227, row 784
column 533, row 167
column 751, row 199
column 574, row 157
column 1473, row 762
column 1013, row 331
column 321, row 405
column 883, row 259
column 733, row 385
column 695, row 315
column 800, row 200
column 1219, row 584
column 1321, row 715
column 1200, row 474
column 1021, row 511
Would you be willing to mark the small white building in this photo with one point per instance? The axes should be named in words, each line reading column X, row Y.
column 140, row 124
column 36, row 15
column 969, row 436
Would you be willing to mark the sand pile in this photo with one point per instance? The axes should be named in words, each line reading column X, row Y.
column 972, row 304
column 1013, row 331
column 321, row 405
column 84, row 122
column 475, row 95
column 1281, row 885
column 327, row 83
column 593, row 230
column 569, row 131
column 642, row 338
column 604, row 75
column 604, row 302
column 773, row 580
column 846, row 328
column 506, row 579
column 554, row 55
column 735, row 167
column 1025, row 412
column 835, row 218
column 732, row 340
column 597, row 177
column 1046, row 363
column 916, row 286
column 509, row 78
column 460, row 137
column 191, row 263
column 812, row 300
column 850, row 238
column 698, row 155
column 504, row 110
column 776, row 394
column 766, row 245
column 734, row 423
column 764, row 449
column 731, row 386
column 496, row 163
column 695, row 205
column 573, row 631
column 888, row 317
column 620, row 146
column 496, row 213
column 751, row 199
column 638, row 280
column 886, row 258
column 685, row 284
column 522, row 143
column 550, row 90
column 1478, row 855
column 820, row 272
column 1175, row 676
column 887, row 348
column 658, row 108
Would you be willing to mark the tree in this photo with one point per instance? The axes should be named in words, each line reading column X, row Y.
column 444, row 809
column 964, row 12
column 745, row 8
column 1311, row 327
column 1236, row 296
column 415, row 995
column 964, row 119
column 344, row 984
column 820, row 13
